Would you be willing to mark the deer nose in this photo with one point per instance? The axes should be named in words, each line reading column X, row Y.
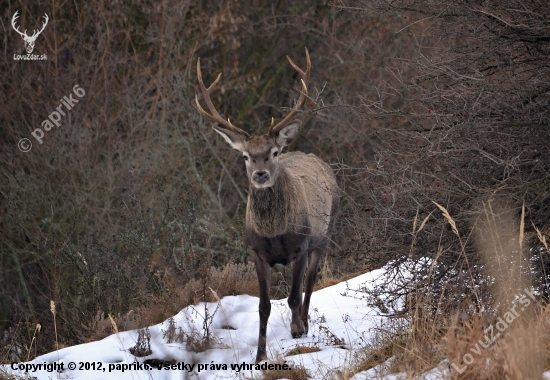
column 261, row 177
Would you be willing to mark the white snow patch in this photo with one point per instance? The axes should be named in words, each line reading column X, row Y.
column 341, row 322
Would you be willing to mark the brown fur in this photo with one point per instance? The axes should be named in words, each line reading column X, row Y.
column 304, row 191
column 271, row 211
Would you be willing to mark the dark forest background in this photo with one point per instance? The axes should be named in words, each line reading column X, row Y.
column 132, row 206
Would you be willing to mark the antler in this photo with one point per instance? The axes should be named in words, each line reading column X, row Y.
column 35, row 34
column 305, row 77
column 15, row 16
column 213, row 115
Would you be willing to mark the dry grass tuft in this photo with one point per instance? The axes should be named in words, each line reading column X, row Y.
column 302, row 350
column 297, row 372
column 232, row 279
column 542, row 238
column 505, row 336
column 11, row 377
column 511, row 338
column 20, row 342
column 519, row 352
column 327, row 277
column 374, row 357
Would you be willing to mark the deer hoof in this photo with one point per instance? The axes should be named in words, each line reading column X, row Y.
column 297, row 331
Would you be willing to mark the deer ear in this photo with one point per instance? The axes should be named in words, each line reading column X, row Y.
column 287, row 134
column 234, row 139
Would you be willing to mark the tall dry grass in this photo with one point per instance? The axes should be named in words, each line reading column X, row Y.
column 504, row 335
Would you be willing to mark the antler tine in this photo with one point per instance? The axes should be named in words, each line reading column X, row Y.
column 46, row 18
column 13, row 20
column 213, row 115
column 301, row 99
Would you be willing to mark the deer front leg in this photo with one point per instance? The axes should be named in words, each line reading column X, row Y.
column 295, row 297
column 311, row 276
column 263, row 270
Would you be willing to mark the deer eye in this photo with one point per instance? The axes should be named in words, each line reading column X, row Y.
column 276, row 153
column 245, row 158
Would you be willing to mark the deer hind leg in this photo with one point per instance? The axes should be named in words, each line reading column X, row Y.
column 311, row 276
column 263, row 270
column 295, row 297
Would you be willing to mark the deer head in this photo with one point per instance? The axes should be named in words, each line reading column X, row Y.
column 260, row 153
column 29, row 40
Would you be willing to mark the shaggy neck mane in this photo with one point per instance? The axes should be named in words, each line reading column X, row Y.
column 271, row 208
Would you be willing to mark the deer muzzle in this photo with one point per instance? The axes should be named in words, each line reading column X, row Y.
column 260, row 177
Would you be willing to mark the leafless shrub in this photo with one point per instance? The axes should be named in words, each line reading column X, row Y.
column 143, row 344
column 173, row 333
column 127, row 192
column 387, row 341
column 462, row 119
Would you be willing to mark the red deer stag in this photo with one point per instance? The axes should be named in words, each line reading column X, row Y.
column 292, row 202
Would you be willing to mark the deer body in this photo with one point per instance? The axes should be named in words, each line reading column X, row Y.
column 286, row 207
column 287, row 223
column 291, row 208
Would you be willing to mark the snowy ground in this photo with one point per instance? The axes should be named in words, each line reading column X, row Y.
column 340, row 323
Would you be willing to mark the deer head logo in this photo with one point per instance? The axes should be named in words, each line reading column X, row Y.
column 29, row 40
